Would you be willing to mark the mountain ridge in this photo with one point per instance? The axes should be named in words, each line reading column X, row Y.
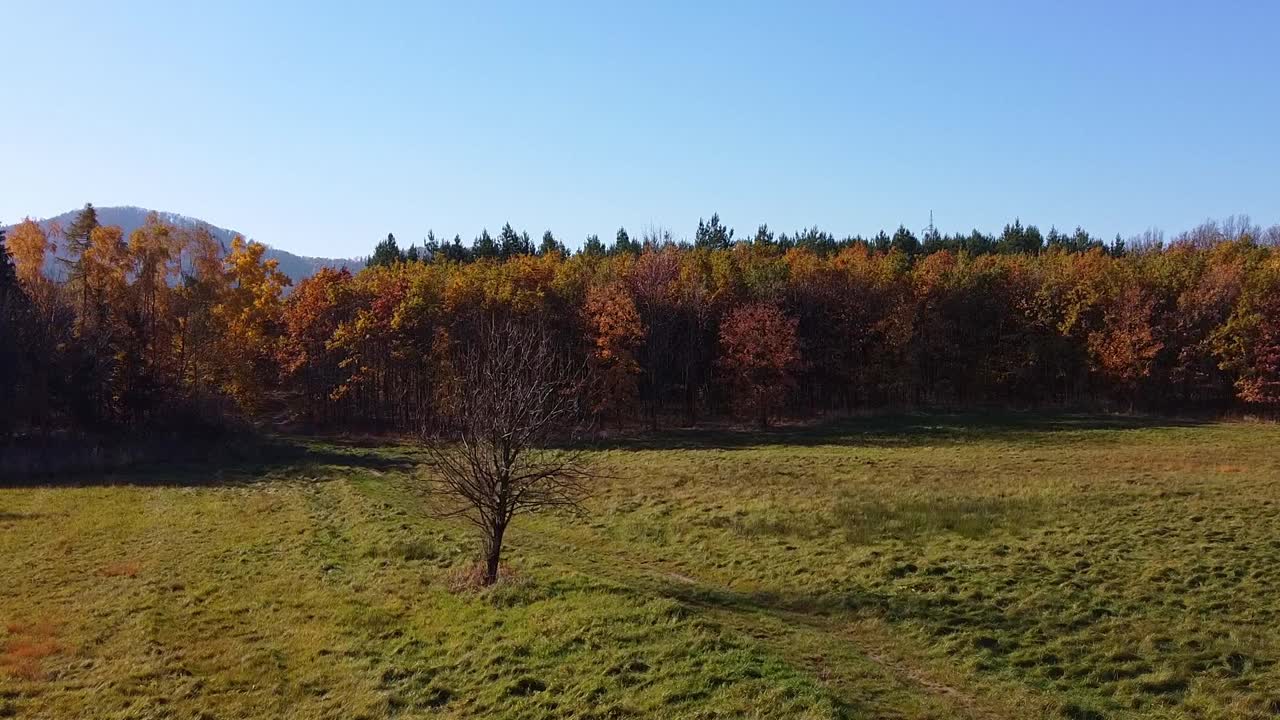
column 132, row 217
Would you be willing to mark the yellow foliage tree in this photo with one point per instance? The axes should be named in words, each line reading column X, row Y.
column 249, row 314
column 28, row 244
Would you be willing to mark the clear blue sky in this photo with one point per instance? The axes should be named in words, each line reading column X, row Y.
column 319, row 127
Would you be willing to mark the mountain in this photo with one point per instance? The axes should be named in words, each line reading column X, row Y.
column 131, row 218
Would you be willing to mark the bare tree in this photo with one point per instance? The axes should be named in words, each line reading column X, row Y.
column 512, row 395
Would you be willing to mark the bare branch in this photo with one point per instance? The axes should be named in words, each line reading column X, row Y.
column 512, row 394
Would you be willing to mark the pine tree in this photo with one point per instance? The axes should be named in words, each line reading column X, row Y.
column 764, row 237
column 77, row 233
column 26, row 350
column 12, row 313
column 593, row 246
column 511, row 244
column 456, row 251
column 624, row 245
column 484, row 246
column 387, row 253
column 78, row 236
column 551, row 246
column 430, row 247
column 905, row 241
column 712, row 234
column 8, row 276
column 1019, row 239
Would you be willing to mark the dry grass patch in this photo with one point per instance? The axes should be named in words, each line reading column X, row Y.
column 26, row 647
column 128, row 569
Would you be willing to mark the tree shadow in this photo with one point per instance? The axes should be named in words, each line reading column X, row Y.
column 990, row 628
column 246, row 462
column 913, row 429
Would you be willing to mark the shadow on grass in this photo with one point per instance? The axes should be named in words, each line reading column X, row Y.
column 15, row 517
column 949, row 616
column 246, row 461
column 998, row 640
column 896, row 430
column 249, row 460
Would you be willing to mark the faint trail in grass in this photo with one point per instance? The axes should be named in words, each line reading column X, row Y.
column 748, row 617
column 924, row 680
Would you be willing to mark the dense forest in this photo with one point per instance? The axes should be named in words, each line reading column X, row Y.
column 167, row 327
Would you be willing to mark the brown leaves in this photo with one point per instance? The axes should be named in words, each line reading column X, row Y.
column 1125, row 349
column 758, row 349
column 616, row 332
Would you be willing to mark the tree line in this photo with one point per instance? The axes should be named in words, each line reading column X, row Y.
column 166, row 326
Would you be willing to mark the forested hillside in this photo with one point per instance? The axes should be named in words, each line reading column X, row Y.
column 129, row 219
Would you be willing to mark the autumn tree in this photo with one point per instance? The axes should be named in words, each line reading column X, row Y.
column 103, row 269
column 759, row 354
column 249, row 314
column 15, row 327
column 369, row 347
column 661, row 326
column 201, row 287
column 154, row 252
column 1248, row 344
column 513, row 392
column 29, row 245
column 615, row 334
column 654, row 288
column 1259, row 383
column 35, row 344
column 1125, row 348
column 312, row 315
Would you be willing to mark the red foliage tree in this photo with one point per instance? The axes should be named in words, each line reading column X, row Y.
column 312, row 315
column 1125, row 349
column 759, row 352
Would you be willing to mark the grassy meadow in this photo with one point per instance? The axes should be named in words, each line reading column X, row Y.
column 916, row 566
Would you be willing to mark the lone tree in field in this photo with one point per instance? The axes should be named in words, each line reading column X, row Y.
column 512, row 394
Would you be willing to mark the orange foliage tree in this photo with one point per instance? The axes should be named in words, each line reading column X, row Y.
column 250, row 318
column 759, row 354
column 1125, row 349
column 615, row 333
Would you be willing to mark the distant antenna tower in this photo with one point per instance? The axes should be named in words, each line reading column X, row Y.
column 932, row 229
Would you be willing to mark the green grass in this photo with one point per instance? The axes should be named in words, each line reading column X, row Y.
column 895, row 567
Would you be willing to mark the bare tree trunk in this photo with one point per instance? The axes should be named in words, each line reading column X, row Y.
column 493, row 553
column 514, row 394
